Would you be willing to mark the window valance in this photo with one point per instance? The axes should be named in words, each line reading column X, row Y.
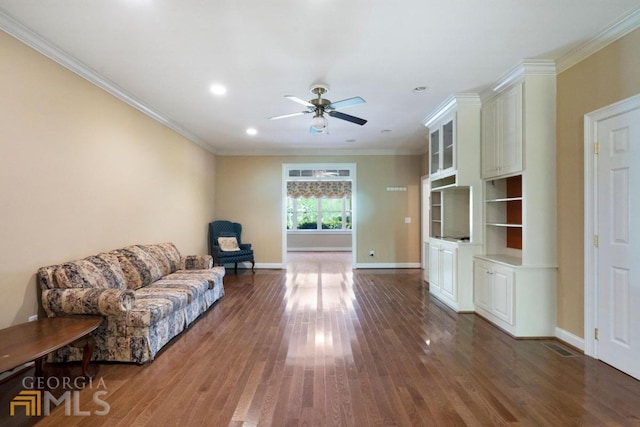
column 319, row 189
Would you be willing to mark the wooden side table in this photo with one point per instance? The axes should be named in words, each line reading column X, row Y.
column 25, row 342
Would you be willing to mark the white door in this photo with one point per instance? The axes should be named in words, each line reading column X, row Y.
column 618, row 253
column 426, row 221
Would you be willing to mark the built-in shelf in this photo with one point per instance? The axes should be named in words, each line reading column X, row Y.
column 514, row 280
column 503, row 215
column 441, row 184
column 502, row 259
column 507, row 199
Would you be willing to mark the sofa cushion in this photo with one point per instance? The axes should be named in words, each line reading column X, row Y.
column 140, row 268
column 165, row 254
column 197, row 262
column 101, row 271
column 154, row 304
column 193, row 287
column 211, row 275
column 173, row 255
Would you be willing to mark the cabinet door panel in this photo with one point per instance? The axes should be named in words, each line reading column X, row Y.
column 434, row 267
column 448, row 265
column 510, row 153
column 482, row 286
column 448, row 147
column 434, row 152
column 489, row 140
column 502, row 295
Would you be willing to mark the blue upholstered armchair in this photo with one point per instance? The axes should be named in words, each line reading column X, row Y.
column 226, row 230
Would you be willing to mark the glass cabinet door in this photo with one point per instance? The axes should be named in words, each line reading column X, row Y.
column 434, row 151
column 447, row 145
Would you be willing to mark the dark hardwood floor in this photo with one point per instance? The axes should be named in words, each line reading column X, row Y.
column 320, row 344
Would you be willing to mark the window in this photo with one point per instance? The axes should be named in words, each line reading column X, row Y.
column 319, row 213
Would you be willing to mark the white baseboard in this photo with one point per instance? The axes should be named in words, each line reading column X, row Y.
column 263, row 265
column 277, row 266
column 319, row 249
column 388, row 265
column 570, row 338
column 270, row 265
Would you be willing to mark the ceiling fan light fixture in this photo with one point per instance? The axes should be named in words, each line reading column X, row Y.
column 319, row 122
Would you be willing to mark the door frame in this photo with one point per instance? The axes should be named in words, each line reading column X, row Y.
column 590, row 215
column 425, row 211
column 352, row 177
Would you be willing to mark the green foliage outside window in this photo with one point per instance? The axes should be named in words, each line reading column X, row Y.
column 331, row 211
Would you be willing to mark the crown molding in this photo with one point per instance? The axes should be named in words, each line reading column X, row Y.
column 284, row 152
column 617, row 30
column 36, row 42
column 528, row 67
column 449, row 104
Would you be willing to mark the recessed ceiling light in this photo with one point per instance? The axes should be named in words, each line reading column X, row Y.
column 420, row 89
column 385, row 131
column 252, row 131
column 350, row 140
column 218, row 89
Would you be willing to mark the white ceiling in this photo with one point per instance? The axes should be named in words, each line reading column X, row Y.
column 164, row 55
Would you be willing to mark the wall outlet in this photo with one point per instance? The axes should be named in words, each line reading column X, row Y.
column 33, row 318
column 372, row 253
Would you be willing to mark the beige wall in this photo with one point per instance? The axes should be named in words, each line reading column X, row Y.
column 82, row 172
column 249, row 191
column 606, row 77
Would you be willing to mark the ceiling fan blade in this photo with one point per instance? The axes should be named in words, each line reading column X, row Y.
column 347, row 117
column 284, row 116
column 299, row 101
column 347, row 103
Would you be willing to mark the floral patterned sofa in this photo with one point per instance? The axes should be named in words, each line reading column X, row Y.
column 148, row 294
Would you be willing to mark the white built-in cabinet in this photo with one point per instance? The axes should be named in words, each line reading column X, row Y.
column 493, row 291
column 442, row 147
column 450, row 273
column 515, row 276
column 520, row 300
column 502, row 134
column 455, row 206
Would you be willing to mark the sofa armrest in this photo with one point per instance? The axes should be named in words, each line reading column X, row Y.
column 105, row 302
column 245, row 246
column 197, row 262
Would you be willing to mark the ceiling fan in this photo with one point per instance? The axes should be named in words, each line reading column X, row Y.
column 319, row 106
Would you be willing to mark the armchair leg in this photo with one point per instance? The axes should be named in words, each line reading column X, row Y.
column 253, row 264
column 235, row 268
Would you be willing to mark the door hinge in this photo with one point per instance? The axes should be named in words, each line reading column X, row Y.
column 596, row 148
column 596, row 240
column 596, row 333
